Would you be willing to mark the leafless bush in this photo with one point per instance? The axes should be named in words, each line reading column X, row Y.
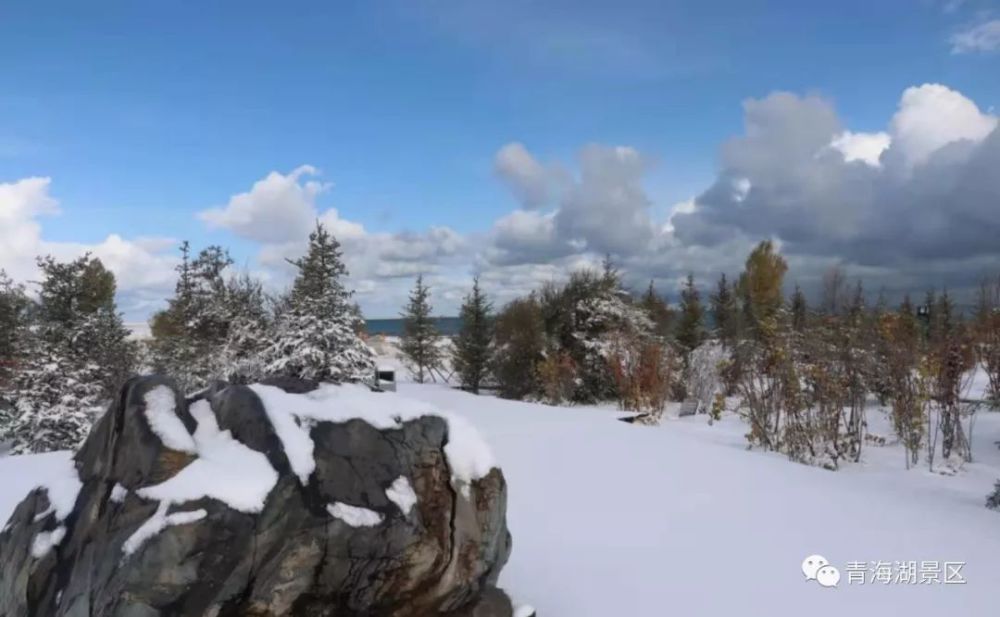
column 557, row 376
column 643, row 370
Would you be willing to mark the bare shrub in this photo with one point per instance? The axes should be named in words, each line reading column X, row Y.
column 643, row 369
column 557, row 376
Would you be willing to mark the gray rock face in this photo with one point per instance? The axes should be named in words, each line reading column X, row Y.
column 292, row 557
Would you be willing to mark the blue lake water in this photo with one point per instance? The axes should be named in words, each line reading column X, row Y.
column 448, row 326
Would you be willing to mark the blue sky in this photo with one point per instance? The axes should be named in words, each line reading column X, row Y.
column 143, row 114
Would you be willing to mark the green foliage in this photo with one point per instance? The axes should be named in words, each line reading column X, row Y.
column 760, row 286
column 691, row 325
column 725, row 312
column 520, row 345
column 420, row 335
column 315, row 333
column 14, row 308
column 474, row 345
column 659, row 312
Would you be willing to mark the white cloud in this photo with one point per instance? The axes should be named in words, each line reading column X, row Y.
column 864, row 147
column 981, row 38
column 141, row 267
column 932, row 116
column 684, row 207
column 278, row 208
column 535, row 185
column 21, row 204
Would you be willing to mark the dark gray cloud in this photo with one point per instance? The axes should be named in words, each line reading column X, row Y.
column 929, row 204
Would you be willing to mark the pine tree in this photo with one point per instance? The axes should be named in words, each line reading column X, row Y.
column 71, row 360
column 691, row 329
column 315, row 336
column 244, row 306
column 14, row 305
column 800, row 310
column 725, row 313
column 659, row 312
column 474, row 346
column 419, row 344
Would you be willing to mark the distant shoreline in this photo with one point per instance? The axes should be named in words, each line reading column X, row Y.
column 447, row 326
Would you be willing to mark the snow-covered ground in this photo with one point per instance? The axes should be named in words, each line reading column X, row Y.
column 615, row 519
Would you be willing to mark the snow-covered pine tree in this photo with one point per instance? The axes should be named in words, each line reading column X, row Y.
column 248, row 321
column 584, row 320
column 71, row 361
column 55, row 398
column 691, row 326
column 420, row 335
column 14, row 304
column 315, row 336
column 474, row 345
column 189, row 334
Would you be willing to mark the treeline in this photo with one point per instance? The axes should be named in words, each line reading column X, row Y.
column 804, row 377
column 66, row 353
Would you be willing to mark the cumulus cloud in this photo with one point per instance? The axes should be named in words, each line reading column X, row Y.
column 932, row 116
column 980, row 38
column 603, row 208
column 142, row 267
column 279, row 211
column 277, row 208
column 864, row 147
column 928, row 204
column 535, row 185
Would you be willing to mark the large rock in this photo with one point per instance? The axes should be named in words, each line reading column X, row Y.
column 400, row 514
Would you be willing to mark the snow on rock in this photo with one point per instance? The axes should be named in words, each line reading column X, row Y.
column 401, row 494
column 119, row 493
column 45, row 541
column 524, row 610
column 157, row 523
column 61, row 488
column 353, row 515
column 225, row 470
column 469, row 456
column 160, row 413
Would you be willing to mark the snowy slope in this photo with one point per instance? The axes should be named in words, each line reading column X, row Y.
column 616, row 519
column 611, row 519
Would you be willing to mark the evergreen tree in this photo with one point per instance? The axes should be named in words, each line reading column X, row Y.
column 244, row 306
column 520, row 348
column 659, row 312
column 419, row 344
column 71, row 360
column 14, row 305
column 725, row 312
column 691, row 328
column 315, row 335
column 800, row 310
column 474, row 346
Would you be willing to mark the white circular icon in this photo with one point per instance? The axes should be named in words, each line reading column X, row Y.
column 812, row 564
column 828, row 576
